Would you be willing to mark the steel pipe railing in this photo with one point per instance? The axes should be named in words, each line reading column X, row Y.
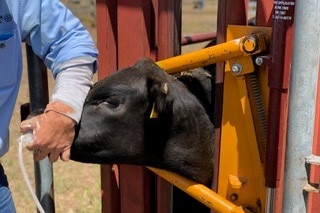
column 38, row 90
column 210, row 55
column 198, row 38
column 302, row 104
column 200, row 192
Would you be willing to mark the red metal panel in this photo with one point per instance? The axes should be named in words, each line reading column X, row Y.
column 279, row 75
column 278, row 81
column 106, row 36
column 313, row 203
column 110, row 197
column 128, row 30
column 264, row 18
column 133, row 31
column 133, row 42
column 168, row 34
column 164, row 196
column 169, row 29
column 264, row 13
column 229, row 12
column 136, row 189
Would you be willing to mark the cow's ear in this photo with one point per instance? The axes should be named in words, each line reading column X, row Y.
column 145, row 64
column 158, row 87
column 158, row 97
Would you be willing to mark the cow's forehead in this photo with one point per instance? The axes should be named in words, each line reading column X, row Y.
column 126, row 75
column 130, row 78
column 122, row 83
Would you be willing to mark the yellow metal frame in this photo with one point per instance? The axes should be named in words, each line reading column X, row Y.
column 199, row 192
column 241, row 175
column 241, row 178
column 233, row 49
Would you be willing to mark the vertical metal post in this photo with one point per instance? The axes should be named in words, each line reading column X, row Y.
column 302, row 98
column 314, row 195
column 278, row 82
column 238, row 16
column 107, row 45
column 38, row 89
column 167, row 37
column 156, row 25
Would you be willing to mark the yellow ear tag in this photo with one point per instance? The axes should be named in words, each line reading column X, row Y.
column 154, row 113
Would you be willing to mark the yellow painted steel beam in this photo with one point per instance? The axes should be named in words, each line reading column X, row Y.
column 237, row 48
column 200, row 192
column 241, row 174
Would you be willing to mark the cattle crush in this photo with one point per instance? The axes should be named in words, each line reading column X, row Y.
column 266, row 144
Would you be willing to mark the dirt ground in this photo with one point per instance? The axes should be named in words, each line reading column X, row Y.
column 76, row 185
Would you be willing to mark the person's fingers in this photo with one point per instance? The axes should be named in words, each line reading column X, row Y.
column 39, row 155
column 35, row 144
column 36, row 152
column 32, row 146
column 53, row 134
column 65, row 155
column 31, row 124
column 26, row 125
column 53, row 156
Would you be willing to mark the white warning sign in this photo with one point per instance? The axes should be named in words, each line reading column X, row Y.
column 283, row 10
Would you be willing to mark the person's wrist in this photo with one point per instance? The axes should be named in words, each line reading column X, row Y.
column 66, row 120
column 60, row 108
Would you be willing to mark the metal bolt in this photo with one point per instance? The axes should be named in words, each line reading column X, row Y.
column 259, row 61
column 234, row 197
column 262, row 60
column 236, row 68
column 2, row 45
column 250, row 44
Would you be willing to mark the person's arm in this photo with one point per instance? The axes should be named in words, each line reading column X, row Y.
column 68, row 50
column 55, row 35
column 72, row 86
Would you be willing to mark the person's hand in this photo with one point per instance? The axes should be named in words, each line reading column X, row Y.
column 53, row 133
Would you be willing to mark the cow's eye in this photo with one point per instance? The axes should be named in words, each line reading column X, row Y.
column 111, row 103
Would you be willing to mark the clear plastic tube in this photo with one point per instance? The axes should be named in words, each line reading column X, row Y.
column 23, row 141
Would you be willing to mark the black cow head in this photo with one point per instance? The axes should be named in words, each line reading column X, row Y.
column 140, row 115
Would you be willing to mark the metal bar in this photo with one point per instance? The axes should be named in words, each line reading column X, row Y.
column 302, row 96
column 167, row 36
column 225, row 18
column 314, row 197
column 107, row 36
column 200, row 192
column 134, row 18
column 313, row 202
column 38, row 90
column 264, row 14
column 210, row 55
column 203, row 57
column 278, row 82
column 159, row 34
column 107, row 39
column 198, row 38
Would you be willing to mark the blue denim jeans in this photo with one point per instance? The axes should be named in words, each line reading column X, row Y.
column 6, row 201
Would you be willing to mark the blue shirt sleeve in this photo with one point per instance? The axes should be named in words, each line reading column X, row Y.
column 54, row 33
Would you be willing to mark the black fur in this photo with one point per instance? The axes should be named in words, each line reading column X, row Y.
column 115, row 127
